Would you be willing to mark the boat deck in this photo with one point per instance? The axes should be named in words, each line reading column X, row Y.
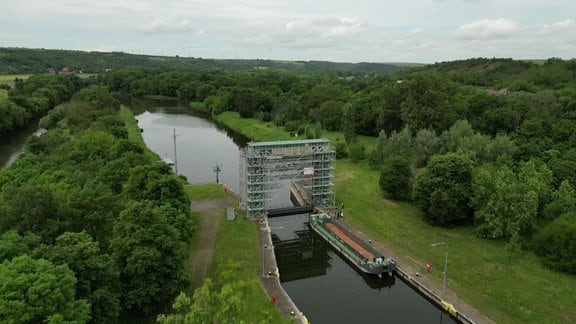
column 351, row 242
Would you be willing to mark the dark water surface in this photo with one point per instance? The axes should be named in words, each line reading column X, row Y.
column 11, row 147
column 329, row 290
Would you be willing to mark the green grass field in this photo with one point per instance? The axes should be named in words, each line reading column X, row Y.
column 253, row 127
column 508, row 288
column 9, row 78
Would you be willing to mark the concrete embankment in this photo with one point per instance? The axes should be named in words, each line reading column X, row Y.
column 270, row 275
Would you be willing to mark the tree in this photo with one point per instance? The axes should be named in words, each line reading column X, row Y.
column 556, row 243
column 507, row 203
column 210, row 305
column 330, row 114
column 149, row 248
column 426, row 144
column 96, row 273
column 36, row 291
column 563, row 202
column 34, row 209
column 395, row 178
column 13, row 245
column 156, row 182
column 444, row 191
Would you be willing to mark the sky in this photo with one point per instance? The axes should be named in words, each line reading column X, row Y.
column 420, row 31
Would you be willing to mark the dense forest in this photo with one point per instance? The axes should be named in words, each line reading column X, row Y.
column 32, row 61
column 482, row 142
column 85, row 212
column 91, row 227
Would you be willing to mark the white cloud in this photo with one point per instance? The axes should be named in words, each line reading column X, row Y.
column 164, row 25
column 362, row 30
column 568, row 25
column 488, row 29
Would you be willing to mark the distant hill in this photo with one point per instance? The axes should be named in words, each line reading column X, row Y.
column 23, row 60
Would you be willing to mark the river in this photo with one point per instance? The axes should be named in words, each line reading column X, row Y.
column 321, row 283
column 11, row 147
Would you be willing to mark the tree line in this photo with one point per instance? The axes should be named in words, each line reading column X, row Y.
column 32, row 99
column 34, row 61
column 91, row 228
column 487, row 143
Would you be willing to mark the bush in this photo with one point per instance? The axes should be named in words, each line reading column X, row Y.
column 395, row 178
column 556, row 244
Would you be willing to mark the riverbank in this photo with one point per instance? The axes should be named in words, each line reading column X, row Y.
column 505, row 287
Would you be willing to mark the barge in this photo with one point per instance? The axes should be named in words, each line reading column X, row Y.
column 362, row 255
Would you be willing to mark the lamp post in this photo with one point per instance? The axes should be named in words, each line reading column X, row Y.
column 445, row 261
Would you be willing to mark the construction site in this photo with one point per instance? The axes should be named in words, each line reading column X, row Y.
column 269, row 170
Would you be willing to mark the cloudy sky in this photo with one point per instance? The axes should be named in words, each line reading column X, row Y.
column 424, row 31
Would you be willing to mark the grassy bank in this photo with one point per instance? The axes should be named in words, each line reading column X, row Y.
column 236, row 258
column 508, row 288
column 253, row 128
column 134, row 131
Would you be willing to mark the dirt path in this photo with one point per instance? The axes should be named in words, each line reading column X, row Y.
column 211, row 211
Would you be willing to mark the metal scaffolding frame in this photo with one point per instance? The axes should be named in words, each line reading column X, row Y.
column 265, row 166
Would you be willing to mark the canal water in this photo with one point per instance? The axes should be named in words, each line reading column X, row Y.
column 321, row 283
column 199, row 145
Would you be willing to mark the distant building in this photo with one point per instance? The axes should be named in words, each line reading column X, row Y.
column 66, row 69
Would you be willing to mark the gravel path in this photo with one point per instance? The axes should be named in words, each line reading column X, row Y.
column 211, row 214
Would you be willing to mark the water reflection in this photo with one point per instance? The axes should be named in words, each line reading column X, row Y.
column 12, row 145
column 199, row 145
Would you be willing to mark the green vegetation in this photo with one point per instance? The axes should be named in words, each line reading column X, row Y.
column 253, row 128
column 508, row 287
column 22, row 60
column 204, row 191
column 3, row 94
column 238, row 259
column 102, row 229
column 233, row 291
column 520, row 289
column 8, row 79
column 134, row 134
column 490, row 145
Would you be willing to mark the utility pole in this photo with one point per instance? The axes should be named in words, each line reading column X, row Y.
column 217, row 170
column 445, row 261
column 175, row 156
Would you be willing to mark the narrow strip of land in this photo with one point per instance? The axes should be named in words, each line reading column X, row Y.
column 210, row 214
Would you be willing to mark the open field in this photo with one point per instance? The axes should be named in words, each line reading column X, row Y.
column 253, row 127
column 9, row 78
column 508, row 288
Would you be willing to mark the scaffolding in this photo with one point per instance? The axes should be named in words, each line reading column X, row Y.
column 266, row 166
